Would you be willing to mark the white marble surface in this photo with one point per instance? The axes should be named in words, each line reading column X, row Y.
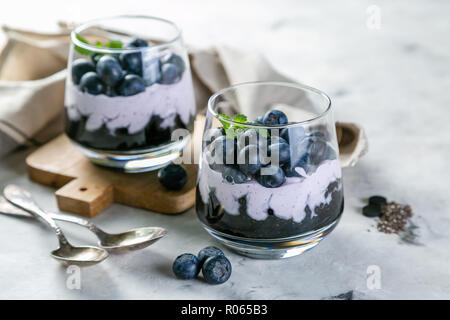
column 393, row 81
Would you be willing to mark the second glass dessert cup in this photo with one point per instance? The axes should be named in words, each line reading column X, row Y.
column 270, row 181
column 129, row 88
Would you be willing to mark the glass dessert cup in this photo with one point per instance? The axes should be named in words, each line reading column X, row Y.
column 128, row 92
column 270, row 181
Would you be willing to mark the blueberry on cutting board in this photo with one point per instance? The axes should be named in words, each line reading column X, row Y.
column 173, row 177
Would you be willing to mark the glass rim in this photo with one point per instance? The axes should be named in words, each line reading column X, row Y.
column 90, row 23
column 299, row 86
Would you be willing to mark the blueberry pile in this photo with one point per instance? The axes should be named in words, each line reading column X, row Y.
column 173, row 177
column 126, row 74
column 216, row 268
column 250, row 154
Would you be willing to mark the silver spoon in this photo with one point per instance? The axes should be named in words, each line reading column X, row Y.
column 67, row 254
column 126, row 241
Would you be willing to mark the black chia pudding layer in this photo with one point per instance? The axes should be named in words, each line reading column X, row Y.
column 151, row 136
column 213, row 215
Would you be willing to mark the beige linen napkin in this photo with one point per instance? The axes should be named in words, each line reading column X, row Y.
column 32, row 75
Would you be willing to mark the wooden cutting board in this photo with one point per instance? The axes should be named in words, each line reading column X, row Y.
column 86, row 189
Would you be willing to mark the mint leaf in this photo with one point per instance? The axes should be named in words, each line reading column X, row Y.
column 114, row 44
column 225, row 124
column 240, row 118
column 83, row 51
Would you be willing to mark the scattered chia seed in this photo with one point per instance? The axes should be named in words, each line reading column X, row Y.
column 394, row 217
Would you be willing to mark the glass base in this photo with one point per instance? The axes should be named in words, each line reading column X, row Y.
column 274, row 248
column 133, row 162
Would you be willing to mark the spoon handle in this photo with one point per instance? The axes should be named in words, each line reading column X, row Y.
column 80, row 221
column 23, row 199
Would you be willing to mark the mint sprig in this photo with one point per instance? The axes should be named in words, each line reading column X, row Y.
column 112, row 44
column 233, row 130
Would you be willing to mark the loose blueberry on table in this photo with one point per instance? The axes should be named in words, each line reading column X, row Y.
column 186, row 266
column 216, row 268
column 253, row 176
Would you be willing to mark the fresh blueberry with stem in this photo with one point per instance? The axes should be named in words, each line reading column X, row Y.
column 249, row 160
column 91, row 83
column 79, row 68
column 131, row 85
column 233, row 175
column 137, row 43
column 208, row 252
column 109, row 70
column 216, row 270
column 169, row 73
column 173, row 177
column 186, row 266
column 274, row 118
column 274, row 179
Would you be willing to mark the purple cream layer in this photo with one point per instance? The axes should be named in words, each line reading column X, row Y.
column 287, row 201
column 133, row 112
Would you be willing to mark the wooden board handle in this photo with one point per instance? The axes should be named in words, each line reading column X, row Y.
column 85, row 196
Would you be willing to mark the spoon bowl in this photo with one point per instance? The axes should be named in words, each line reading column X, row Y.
column 80, row 256
column 131, row 240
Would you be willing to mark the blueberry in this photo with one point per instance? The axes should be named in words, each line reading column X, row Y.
column 224, row 150
column 151, row 69
column 169, row 73
column 273, row 180
column 260, row 120
column 274, row 118
column 137, row 43
column 281, row 152
column 249, row 137
column 216, row 270
column 173, row 177
column 302, row 162
column 276, row 139
column 208, row 252
column 186, row 266
column 79, row 68
column 91, row 83
column 319, row 150
column 131, row 85
column 294, row 134
column 132, row 62
column 232, row 175
column 110, row 92
column 109, row 70
column 176, row 60
column 212, row 134
column 249, row 160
